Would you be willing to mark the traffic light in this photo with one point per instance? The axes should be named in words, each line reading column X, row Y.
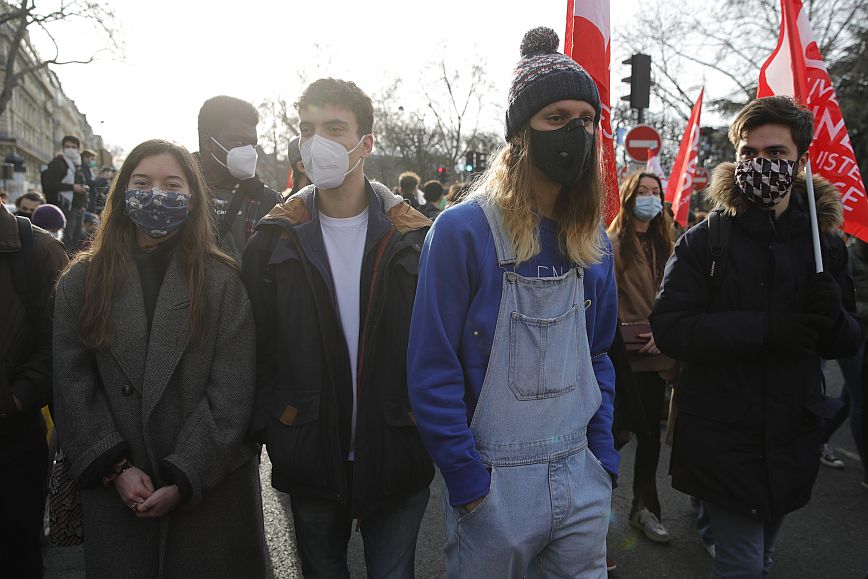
column 469, row 163
column 639, row 80
column 442, row 174
column 481, row 162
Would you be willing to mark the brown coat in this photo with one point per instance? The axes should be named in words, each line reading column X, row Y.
column 637, row 290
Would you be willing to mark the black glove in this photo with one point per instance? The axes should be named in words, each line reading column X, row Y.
column 823, row 296
column 795, row 334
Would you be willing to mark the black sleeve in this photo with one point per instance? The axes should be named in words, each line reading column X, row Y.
column 844, row 340
column 683, row 327
column 30, row 381
column 261, row 291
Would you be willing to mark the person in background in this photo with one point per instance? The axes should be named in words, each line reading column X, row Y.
column 408, row 188
column 27, row 203
column 64, row 186
column 642, row 241
column 300, row 179
column 753, row 321
column 510, row 380
column 457, row 193
column 331, row 274
column 51, row 219
column 435, row 199
column 153, row 357
column 30, row 262
column 228, row 157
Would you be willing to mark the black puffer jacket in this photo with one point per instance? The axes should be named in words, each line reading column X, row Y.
column 304, row 388
column 750, row 421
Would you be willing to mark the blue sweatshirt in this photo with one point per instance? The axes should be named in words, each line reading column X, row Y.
column 454, row 317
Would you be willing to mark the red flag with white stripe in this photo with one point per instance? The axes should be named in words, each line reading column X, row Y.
column 680, row 185
column 587, row 42
column 796, row 68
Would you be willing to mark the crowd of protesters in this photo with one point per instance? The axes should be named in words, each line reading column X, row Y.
column 186, row 316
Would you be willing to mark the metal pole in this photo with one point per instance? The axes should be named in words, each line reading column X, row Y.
column 641, row 116
column 812, row 208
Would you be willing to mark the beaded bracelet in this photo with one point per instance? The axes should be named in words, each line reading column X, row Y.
column 117, row 469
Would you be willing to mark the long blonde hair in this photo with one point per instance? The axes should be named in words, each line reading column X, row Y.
column 508, row 183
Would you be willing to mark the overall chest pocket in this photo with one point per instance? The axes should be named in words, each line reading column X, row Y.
column 543, row 355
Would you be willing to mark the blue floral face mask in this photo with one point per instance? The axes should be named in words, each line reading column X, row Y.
column 156, row 212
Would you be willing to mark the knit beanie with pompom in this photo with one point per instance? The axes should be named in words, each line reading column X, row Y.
column 544, row 76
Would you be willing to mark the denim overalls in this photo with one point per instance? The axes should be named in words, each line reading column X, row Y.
column 546, row 514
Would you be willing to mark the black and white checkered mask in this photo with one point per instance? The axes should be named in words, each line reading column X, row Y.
column 765, row 181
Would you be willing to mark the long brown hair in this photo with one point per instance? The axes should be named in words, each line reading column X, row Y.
column 508, row 182
column 110, row 252
column 660, row 229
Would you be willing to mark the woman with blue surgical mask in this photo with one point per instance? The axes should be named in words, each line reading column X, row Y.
column 642, row 240
column 153, row 358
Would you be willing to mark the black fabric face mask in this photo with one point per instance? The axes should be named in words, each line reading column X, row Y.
column 563, row 154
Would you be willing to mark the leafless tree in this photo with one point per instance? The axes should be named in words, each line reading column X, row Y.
column 19, row 19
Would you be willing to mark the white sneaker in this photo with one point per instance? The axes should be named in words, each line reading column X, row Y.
column 650, row 525
column 829, row 458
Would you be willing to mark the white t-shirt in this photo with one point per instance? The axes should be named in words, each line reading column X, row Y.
column 345, row 246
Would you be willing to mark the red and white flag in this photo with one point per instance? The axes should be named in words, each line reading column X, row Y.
column 680, row 185
column 587, row 42
column 796, row 68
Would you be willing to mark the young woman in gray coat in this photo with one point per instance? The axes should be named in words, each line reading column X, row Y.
column 153, row 358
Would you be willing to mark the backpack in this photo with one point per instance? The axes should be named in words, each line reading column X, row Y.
column 22, row 265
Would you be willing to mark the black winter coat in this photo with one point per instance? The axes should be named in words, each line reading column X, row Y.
column 52, row 182
column 303, row 407
column 750, row 421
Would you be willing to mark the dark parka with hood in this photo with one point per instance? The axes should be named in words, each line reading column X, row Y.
column 750, row 421
column 304, row 387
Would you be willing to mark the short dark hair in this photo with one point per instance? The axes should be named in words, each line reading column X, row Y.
column 340, row 93
column 293, row 153
column 775, row 110
column 30, row 196
column 217, row 110
column 70, row 139
column 433, row 190
column 408, row 181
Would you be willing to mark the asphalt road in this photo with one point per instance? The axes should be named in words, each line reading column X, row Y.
column 826, row 539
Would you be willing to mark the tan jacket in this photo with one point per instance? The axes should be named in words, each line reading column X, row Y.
column 637, row 290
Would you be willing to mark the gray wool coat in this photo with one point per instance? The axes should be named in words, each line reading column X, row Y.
column 168, row 398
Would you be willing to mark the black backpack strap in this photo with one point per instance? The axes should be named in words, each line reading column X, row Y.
column 22, row 264
column 718, row 247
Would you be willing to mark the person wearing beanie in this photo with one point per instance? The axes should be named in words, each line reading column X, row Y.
column 510, row 381
column 50, row 218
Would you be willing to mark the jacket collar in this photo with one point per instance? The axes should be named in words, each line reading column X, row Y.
column 10, row 239
column 726, row 195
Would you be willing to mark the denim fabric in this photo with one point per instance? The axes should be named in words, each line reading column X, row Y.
column 703, row 522
column 323, row 528
column 743, row 546
column 546, row 511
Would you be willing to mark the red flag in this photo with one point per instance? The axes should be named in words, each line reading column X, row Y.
column 680, row 185
column 796, row 68
column 587, row 42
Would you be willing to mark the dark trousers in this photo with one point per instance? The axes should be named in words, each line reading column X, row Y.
column 323, row 527
column 652, row 392
column 23, row 486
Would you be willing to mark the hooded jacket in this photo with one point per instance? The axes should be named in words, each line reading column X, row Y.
column 304, row 386
column 750, row 421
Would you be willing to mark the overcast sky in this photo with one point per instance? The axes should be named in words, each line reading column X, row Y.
column 179, row 53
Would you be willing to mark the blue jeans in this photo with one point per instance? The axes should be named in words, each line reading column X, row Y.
column 703, row 522
column 323, row 527
column 744, row 546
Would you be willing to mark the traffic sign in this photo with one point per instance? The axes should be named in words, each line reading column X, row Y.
column 643, row 142
column 700, row 179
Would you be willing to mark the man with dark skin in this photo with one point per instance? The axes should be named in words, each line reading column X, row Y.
column 227, row 150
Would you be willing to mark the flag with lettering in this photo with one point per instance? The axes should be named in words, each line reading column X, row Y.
column 796, row 68
column 680, row 186
column 587, row 41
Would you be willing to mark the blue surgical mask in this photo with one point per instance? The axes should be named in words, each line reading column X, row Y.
column 647, row 207
column 156, row 212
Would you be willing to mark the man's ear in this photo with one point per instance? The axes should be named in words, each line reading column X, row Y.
column 803, row 161
column 368, row 145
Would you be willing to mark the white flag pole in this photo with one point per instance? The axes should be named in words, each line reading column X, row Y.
column 812, row 207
